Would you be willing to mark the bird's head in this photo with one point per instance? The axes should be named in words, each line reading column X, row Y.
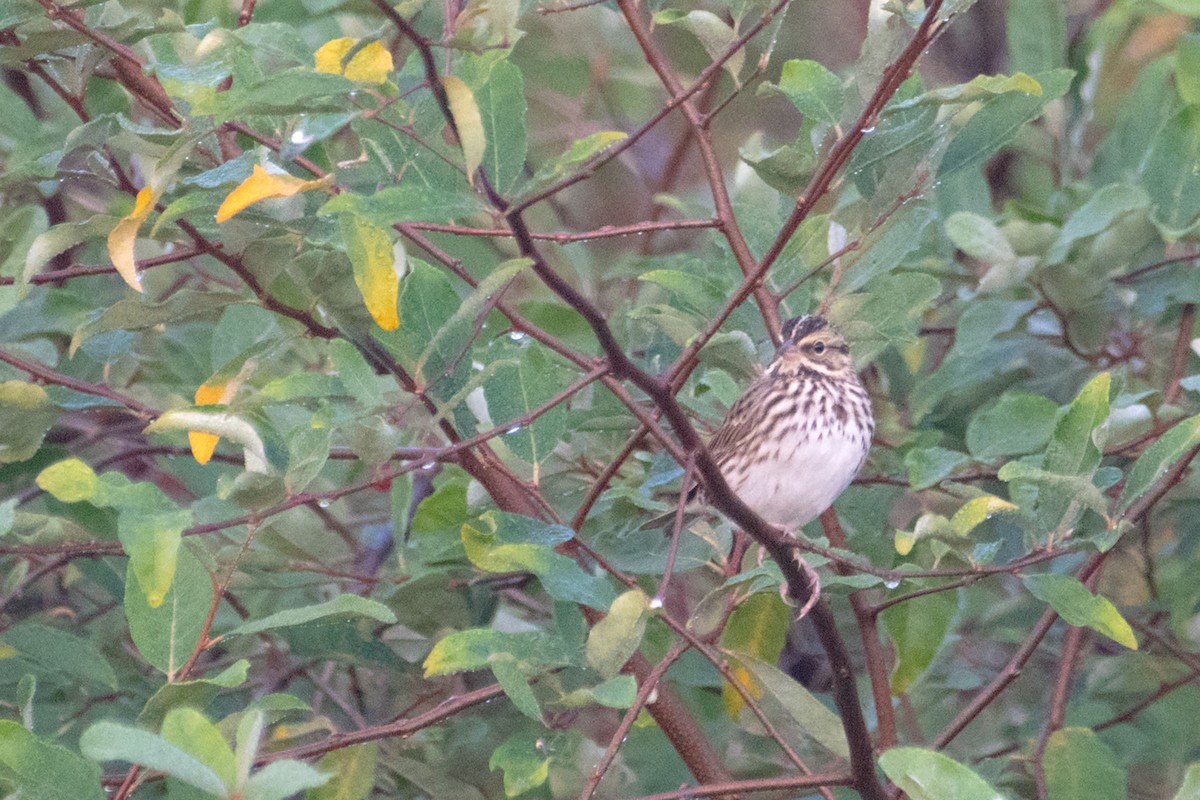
column 811, row 344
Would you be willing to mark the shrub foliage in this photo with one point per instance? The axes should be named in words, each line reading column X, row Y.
column 347, row 347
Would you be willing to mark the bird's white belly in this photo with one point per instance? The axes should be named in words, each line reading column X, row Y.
column 800, row 478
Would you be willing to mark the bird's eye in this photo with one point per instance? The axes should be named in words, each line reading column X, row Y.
column 819, row 348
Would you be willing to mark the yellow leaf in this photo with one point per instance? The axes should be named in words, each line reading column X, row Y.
column 371, row 64
column 262, row 185
column 122, row 237
column 203, row 445
column 369, row 247
column 468, row 121
column 69, row 481
column 207, row 394
column 757, row 627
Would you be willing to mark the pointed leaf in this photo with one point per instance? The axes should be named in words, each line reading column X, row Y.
column 123, row 236
column 468, row 121
column 813, row 89
column 524, row 761
column 191, row 732
column 757, row 628
column 1078, row 606
column 262, row 185
column 43, row 770
column 1190, row 790
column 806, row 710
column 926, row 775
column 614, row 639
column 1158, row 458
column 107, row 741
column 351, row 604
column 353, row 771
column 372, row 254
column 166, row 634
column 282, row 779
column 714, row 33
column 918, row 628
column 1078, row 766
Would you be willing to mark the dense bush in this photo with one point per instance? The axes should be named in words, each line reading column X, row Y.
column 348, row 347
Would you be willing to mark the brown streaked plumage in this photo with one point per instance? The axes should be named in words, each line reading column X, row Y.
column 800, row 433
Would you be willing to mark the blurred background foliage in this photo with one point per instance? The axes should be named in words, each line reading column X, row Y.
column 414, row 565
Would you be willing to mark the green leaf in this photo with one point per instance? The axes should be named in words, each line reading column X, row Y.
column 814, row 90
column 1037, row 35
column 524, row 760
column 1168, row 175
column 885, row 314
column 353, row 771
column 191, row 694
column 618, row 692
column 59, row 652
column 757, row 628
column 578, row 154
column 26, row 413
column 514, row 679
column 714, row 33
column 427, row 301
column 61, row 238
column 885, row 251
column 191, row 732
column 356, row 375
column 1072, row 601
column 167, row 634
column 108, row 741
column 995, row 125
column 1190, row 790
column 1078, row 491
column 151, row 540
column 502, row 107
column 435, row 781
column 137, row 314
column 1017, row 424
column 282, row 779
column 813, row 716
column 978, row 237
column 928, row 466
column 614, row 639
column 308, row 450
column 517, row 388
column 70, row 481
column 926, row 775
column 981, row 87
column 918, row 628
column 456, row 332
column 1157, row 459
column 1099, row 213
column 1078, row 766
column 410, row 201
column 787, row 169
column 500, row 549
column 343, row 604
column 1187, row 68
column 479, row 647
column 1075, row 448
column 41, row 770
